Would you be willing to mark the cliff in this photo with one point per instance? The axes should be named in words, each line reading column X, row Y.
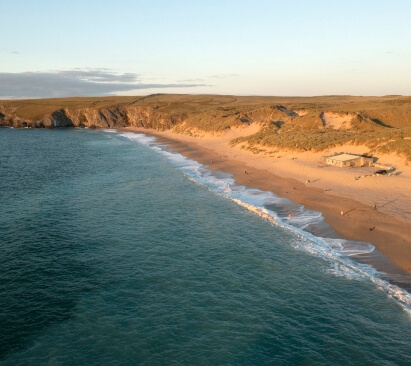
column 119, row 116
column 299, row 123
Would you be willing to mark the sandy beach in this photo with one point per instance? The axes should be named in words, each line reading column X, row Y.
column 375, row 209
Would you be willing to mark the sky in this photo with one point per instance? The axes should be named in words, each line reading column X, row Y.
column 242, row 47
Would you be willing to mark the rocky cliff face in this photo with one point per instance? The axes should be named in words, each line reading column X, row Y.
column 148, row 117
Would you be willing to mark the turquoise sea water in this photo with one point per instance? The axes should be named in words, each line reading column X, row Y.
column 117, row 251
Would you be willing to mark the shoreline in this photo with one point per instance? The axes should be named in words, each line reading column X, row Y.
column 390, row 236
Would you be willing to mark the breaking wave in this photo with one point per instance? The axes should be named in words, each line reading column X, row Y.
column 340, row 253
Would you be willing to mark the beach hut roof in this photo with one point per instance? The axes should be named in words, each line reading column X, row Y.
column 344, row 157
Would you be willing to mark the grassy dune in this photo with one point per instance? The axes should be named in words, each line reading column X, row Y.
column 382, row 123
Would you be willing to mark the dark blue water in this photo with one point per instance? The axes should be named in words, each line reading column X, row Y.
column 113, row 253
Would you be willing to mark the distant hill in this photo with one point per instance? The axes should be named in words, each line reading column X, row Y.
column 301, row 123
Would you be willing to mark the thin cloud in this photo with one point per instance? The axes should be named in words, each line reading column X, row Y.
column 75, row 82
column 190, row 80
column 14, row 52
column 224, row 76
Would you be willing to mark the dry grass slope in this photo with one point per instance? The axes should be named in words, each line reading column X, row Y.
column 382, row 123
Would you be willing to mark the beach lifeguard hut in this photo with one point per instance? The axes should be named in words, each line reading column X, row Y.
column 347, row 160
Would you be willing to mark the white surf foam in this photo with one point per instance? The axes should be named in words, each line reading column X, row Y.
column 110, row 130
column 139, row 137
column 336, row 251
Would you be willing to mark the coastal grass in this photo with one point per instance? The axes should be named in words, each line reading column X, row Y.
column 379, row 140
column 382, row 123
column 33, row 109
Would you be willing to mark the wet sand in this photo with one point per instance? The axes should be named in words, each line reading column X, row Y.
column 359, row 222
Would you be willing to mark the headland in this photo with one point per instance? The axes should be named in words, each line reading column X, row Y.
column 274, row 144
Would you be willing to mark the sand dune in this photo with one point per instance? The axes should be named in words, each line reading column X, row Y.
column 337, row 120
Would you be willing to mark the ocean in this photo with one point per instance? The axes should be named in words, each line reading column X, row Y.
column 116, row 250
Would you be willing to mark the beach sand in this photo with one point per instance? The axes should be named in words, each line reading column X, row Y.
column 375, row 209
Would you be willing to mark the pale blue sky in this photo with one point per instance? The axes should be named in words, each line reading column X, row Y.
column 241, row 47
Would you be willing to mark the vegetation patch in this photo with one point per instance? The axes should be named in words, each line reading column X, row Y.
column 297, row 123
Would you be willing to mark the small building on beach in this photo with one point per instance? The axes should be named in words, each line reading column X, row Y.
column 348, row 160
